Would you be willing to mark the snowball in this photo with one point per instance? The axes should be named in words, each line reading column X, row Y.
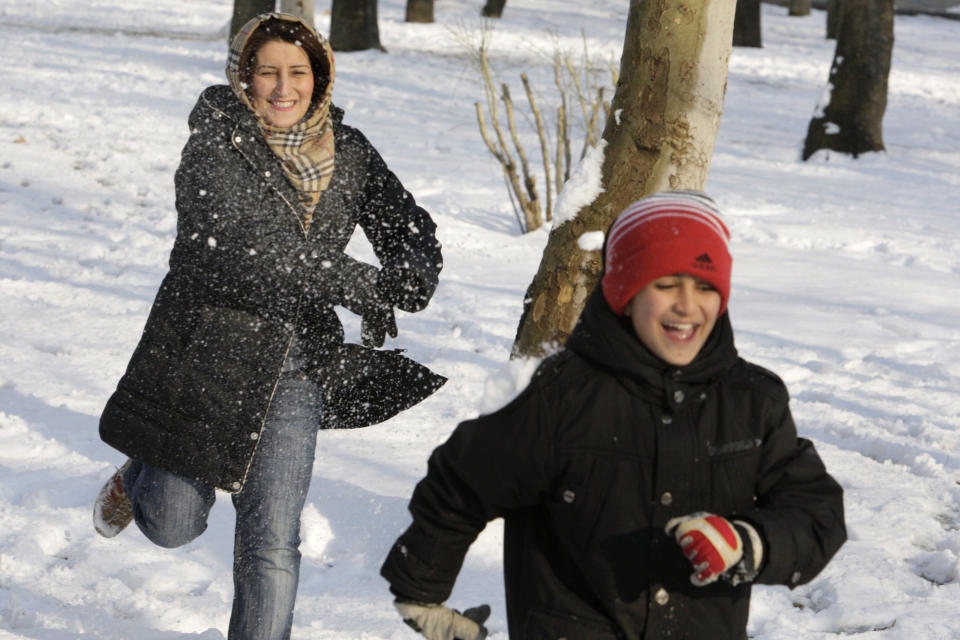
column 590, row 241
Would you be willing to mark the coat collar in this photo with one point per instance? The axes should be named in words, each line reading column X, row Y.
column 609, row 342
column 219, row 103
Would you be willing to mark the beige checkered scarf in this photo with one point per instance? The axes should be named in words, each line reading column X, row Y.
column 306, row 150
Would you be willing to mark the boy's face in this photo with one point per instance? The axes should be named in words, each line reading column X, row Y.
column 674, row 315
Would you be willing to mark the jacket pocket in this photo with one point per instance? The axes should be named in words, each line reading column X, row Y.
column 230, row 364
column 575, row 503
column 543, row 624
column 734, row 468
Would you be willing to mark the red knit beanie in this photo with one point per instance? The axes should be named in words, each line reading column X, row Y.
column 667, row 233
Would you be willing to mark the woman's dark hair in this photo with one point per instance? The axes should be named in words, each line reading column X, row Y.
column 295, row 33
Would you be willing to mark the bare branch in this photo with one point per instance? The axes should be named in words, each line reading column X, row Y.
column 544, row 149
column 483, row 133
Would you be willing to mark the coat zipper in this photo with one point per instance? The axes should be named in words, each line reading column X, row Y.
column 235, row 138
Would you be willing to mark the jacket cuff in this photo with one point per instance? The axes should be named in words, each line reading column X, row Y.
column 420, row 569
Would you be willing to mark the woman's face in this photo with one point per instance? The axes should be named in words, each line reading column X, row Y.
column 674, row 315
column 282, row 83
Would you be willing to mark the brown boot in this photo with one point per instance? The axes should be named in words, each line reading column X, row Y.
column 112, row 511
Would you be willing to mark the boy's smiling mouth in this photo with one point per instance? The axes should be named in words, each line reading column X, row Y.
column 680, row 331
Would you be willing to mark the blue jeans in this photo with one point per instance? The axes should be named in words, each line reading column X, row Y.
column 172, row 510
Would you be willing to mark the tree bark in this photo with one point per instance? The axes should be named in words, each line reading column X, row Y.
column 746, row 24
column 300, row 8
column 244, row 10
column 660, row 134
column 834, row 11
column 353, row 25
column 419, row 11
column 493, row 8
column 852, row 121
column 800, row 7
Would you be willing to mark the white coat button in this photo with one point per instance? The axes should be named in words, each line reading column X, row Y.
column 266, row 173
column 569, row 496
column 795, row 578
column 254, row 435
column 235, row 485
column 666, row 498
column 661, row 597
column 666, row 419
column 238, row 139
column 678, row 396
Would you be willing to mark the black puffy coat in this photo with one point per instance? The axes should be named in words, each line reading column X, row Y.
column 587, row 465
column 245, row 278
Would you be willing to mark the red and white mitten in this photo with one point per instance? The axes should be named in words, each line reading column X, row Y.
column 717, row 547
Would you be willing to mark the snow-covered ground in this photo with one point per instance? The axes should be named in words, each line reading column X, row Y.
column 846, row 283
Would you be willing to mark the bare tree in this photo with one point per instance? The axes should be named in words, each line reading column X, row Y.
column 244, row 10
column 852, row 121
column 800, row 7
column 493, row 8
column 659, row 135
column 300, row 8
column 419, row 11
column 532, row 205
column 746, row 24
column 834, row 10
column 353, row 25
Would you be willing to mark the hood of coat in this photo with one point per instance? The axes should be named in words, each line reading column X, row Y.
column 609, row 341
column 314, row 44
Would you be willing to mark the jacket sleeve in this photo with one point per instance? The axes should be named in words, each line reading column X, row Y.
column 799, row 506
column 488, row 467
column 403, row 236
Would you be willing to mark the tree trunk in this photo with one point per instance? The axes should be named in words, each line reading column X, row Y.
column 493, row 8
column 303, row 9
column 660, row 134
column 800, row 7
column 852, row 122
column 419, row 11
column 353, row 25
column 746, row 24
column 244, row 10
column 834, row 13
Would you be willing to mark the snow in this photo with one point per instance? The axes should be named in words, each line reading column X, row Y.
column 845, row 281
column 583, row 187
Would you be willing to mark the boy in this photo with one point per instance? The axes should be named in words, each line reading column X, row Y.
column 647, row 475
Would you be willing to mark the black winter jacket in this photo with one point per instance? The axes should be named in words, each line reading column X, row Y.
column 587, row 465
column 245, row 278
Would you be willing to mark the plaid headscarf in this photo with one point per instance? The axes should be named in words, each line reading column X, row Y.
column 306, row 149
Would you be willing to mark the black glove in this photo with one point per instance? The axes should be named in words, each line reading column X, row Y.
column 402, row 288
column 362, row 296
column 437, row 622
column 378, row 321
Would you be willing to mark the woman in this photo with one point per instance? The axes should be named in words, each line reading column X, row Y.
column 242, row 358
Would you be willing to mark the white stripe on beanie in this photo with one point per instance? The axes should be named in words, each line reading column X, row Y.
column 692, row 205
